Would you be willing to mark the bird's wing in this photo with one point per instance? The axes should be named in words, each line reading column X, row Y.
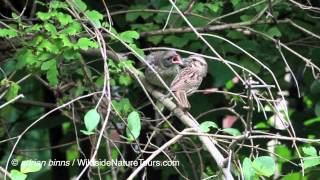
column 183, row 100
column 187, row 79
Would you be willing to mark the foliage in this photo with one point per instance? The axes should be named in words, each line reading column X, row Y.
column 91, row 121
column 205, row 126
column 26, row 167
column 134, row 126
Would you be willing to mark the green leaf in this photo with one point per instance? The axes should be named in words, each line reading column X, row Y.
column 129, row 36
column 94, row 17
column 138, row 50
column 310, row 122
column 99, row 81
column 307, row 163
column 229, row 85
column 12, row 91
column 132, row 16
column 254, row 67
column 262, row 125
column 80, row 5
column 294, row 176
column 30, row 166
column 44, row 56
column 52, row 75
column 176, row 41
column 22, row 55
column 85, row 43
column 114, row 153
column 309, row 150
column 91, row 119
column 126, row 64
column 317, row 109
column 245, row 18
column 232, row 131
column 8, row 33
column 125, row 80
column 134, row 126
column 36, row 41
column 44, row 16
column 145, row 15
column 123, row 106
column 284, row 152
column 46, row 45
column 264, row 165
column 198, row 7
column 235, row 2
column 205, row 126
column 71, row 54
column 236, row 35
column 48, row 64
column 155, row 39
column 64, row 19
column 73, row 28
column 248, row 171
column 17, row 175
column 58, row 4
column 274, row 32
column 65, row 40
column 213, row 7
column 50, row 28
column 34, row 28
column 15, row 16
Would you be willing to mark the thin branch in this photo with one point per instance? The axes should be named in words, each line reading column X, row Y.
column 12, row 100
column 207, row 28
column 278, row 137
column 155, row 153
column 39, row 119
column 6, row 173
column 154, row 11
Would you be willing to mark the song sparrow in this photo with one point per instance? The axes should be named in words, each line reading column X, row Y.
column 189, row 79
column 166, row 64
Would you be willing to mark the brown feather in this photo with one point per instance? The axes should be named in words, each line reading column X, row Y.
column 189, row 79
column 183, row 100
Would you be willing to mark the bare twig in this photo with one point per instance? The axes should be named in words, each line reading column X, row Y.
column 155, row 153
column 12, row 100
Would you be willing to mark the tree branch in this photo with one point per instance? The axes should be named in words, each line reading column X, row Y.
column 155, row 153
column 207, row 28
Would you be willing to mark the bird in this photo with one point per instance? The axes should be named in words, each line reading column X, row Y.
column 189, row 79
column 166, row 63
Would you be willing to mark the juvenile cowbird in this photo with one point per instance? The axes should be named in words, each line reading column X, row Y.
column 166, row 64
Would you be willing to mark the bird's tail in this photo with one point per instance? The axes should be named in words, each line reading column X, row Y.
column 183, row 100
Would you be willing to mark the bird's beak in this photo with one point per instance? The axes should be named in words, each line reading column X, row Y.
column 177, row 60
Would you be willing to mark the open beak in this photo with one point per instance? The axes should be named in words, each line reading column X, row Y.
column 177, row 60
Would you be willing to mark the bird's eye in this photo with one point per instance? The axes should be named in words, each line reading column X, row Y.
column 167, row 62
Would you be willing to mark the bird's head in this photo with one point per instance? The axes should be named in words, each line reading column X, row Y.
column 171, row 58
column 197, row 62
